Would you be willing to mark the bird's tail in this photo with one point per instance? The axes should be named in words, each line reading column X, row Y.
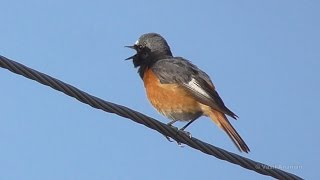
column 221, row 120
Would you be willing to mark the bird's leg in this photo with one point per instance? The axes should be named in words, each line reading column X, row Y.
column 181, row 129
column 170, row 124
column 185, row 126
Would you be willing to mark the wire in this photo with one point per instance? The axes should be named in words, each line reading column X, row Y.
column 140, row 118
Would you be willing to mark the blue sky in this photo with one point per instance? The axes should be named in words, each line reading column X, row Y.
column 263, row 57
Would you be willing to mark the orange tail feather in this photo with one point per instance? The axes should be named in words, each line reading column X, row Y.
column 221, row 120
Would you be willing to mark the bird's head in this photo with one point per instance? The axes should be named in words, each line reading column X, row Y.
column 150, row 47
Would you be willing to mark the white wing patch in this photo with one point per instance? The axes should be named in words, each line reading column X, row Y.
column 194, row 85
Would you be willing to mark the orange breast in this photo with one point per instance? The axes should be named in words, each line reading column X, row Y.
column 168, row 98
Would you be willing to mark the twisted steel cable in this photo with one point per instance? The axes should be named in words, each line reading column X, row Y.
column 140, row 118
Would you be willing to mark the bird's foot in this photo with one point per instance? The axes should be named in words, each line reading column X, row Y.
column 168, row 138
column 181, row 130
column 171, row 140
column 180, row 144
column 186, row 132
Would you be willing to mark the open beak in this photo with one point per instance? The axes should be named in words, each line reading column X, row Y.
column 131, row 47
column 131, row 57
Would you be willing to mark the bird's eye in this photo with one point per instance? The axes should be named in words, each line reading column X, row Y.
column 140, row 46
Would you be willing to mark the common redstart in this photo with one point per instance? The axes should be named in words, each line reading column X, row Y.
column 178, row 89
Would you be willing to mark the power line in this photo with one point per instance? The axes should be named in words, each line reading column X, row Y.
column 140, row 118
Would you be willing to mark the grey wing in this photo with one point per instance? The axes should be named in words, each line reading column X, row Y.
column 180, row 71
column 173, row 70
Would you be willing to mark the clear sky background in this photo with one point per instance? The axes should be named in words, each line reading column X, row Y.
column 264, row 58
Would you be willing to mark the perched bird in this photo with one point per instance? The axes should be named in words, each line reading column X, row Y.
column 178, row 89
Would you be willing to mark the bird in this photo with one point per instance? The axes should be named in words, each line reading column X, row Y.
column 178, row 89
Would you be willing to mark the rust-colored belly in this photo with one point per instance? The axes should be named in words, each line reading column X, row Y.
column 170, row 100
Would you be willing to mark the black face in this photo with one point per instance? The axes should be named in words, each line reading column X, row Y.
column 141, row 57
column 150, row 48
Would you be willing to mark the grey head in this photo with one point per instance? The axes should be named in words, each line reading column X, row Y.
column 150, row 47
